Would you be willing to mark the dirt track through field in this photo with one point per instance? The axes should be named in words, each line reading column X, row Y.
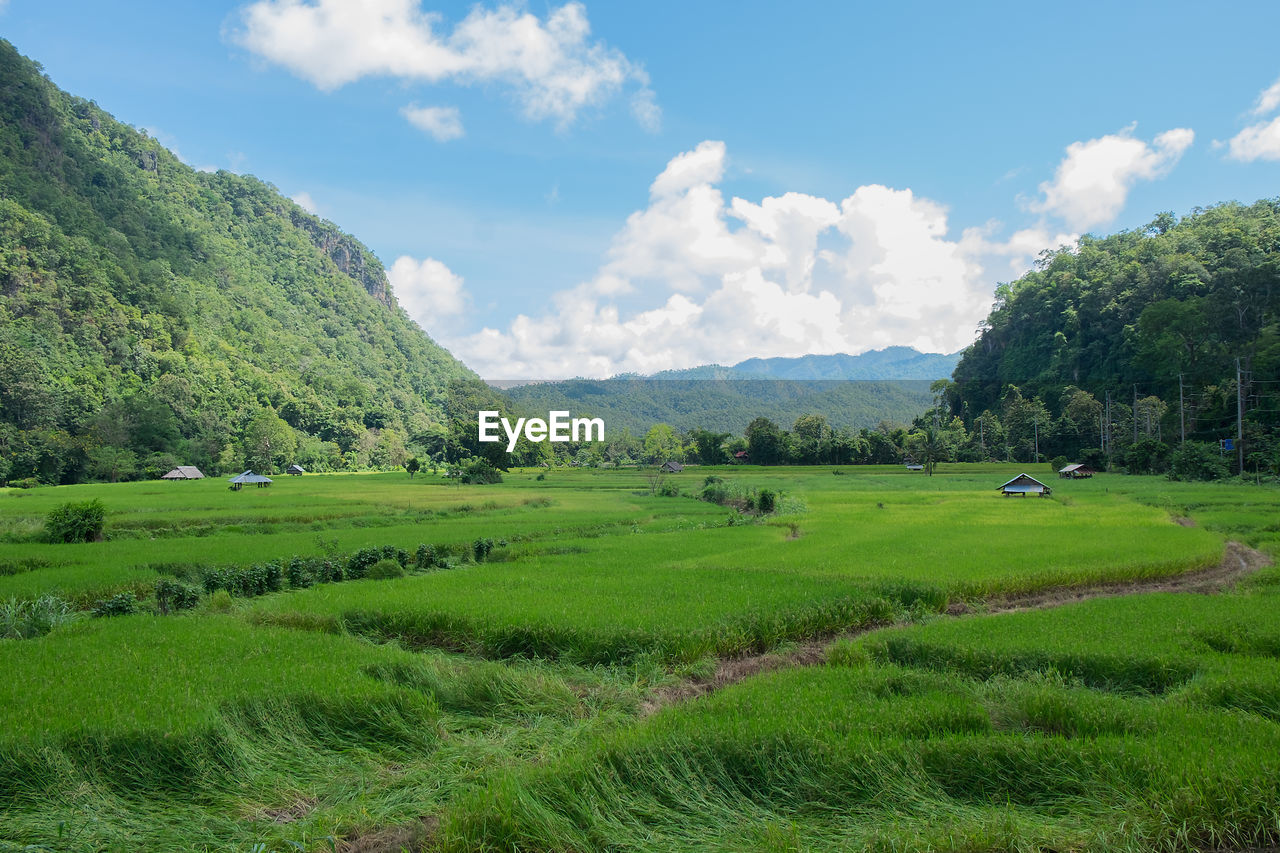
column 1238, row 562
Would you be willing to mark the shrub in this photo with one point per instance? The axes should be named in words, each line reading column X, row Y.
column 174, row 595
column 540, row 477
column 245, row 582
column 358, row 564
column 117, row 605
column 428, row 556
column 26, row 483
column 712, row 479
column 220, row 602
column 23, row 620
column 1197, row 460
column 715, row 493
column 766, row 501
column 76, row 522
column 481, row 548
column 669, row 490
column 385, row 569
column 480, row 472
column 1057, row 463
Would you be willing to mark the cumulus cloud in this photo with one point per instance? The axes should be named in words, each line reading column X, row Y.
column 1094, row 179
column 783, row 276
column 1259, row 141
column 427, row 289
column 443, row 123
column 1268, row 100
column 551, row 66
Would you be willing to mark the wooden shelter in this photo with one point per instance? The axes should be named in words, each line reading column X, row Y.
column 241, row 480
column 1076, row 471
column 1025, row 484
column 670, row 467
column 295, row 470
column 184, row 472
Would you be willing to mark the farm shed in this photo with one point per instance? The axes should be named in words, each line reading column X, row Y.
column 741, row 456
column 184, row 472
column 240, row 480
column 1076, row 471
column 670, row 467
column 295, row 470
column 1025, row 484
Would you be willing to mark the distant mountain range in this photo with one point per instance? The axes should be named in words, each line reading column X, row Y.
column 851, row 391
column 887, row 363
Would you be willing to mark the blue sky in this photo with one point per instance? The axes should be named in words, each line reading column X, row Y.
column 834, row 176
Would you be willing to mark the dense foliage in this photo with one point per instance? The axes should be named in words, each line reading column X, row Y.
column 152, row 315
column 1156, row 319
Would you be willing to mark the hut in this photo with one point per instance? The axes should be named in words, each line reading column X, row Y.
column 241, row 480
column 1025, row 484
column 295, row 470
column 741, row 457
column 670, row 467
column 1076, row 471
column 184, row 472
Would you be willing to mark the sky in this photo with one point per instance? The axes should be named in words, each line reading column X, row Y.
column 588, row 189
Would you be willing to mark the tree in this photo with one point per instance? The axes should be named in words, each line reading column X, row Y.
column 661, row 444
column 413, row 466
column 269, row 443
column 709, row 446
column 764, row 442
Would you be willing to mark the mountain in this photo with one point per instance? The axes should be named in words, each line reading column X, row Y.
column 888, row 363
column 151, row 314
column 725, row 405
column 1169, row 314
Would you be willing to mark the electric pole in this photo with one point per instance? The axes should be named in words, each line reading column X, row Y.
column 1239, row 419
column 1135, row 414
column 1182, row 412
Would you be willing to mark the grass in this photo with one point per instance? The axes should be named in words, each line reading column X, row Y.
column 1111, row 724
column 504, row 697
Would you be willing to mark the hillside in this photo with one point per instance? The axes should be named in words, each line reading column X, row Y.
column 1162, row 314
column 887, row 363
column 151, row 314
column 726, row 405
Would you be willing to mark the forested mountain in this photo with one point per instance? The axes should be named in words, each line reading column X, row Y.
column 887, row 363
column 1160, row 315
column 152, row 315
column 725, row 405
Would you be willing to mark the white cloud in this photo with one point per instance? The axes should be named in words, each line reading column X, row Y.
column 306, row 202
column 551, row 66
column 1268, row 99
column 789, row 275
column 443, row 123
column 427, row 289
column 1094, row 179
column 1256, row 142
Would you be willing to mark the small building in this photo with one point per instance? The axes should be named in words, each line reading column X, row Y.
column 1076, row 471
column 914, row 466
column 295, row 470
column 670, row 467
column 1025, row 484
column 239, row 481
column 184, row 472
column 741, row 456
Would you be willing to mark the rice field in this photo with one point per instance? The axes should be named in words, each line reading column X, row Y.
column 500, row 698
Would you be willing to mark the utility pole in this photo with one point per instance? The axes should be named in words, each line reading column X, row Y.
column 1106, row 438
column 1182, row 411
column 1135, row 414
column 1239, row 419
column 1036, row 423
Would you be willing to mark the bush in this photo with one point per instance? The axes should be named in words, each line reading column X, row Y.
column 359, row 563
column 23, row 620
column 26, row 483
column 540, row 477
column 117, row 605
column 1057, row 463
column 480, row 472
column 669, row 490
column 174, row 595
column 245, row 582
column 220, row 602
column 481, row 549
column 766, row 501
column 427, row 556
column 712, row 479
column 385, row 569
column 715, row 493
column 1197, row 460
column 76, row 522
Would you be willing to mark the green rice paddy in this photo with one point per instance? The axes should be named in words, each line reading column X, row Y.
column 504, row 704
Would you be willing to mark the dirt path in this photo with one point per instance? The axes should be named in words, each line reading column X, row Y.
column 1238, row 561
